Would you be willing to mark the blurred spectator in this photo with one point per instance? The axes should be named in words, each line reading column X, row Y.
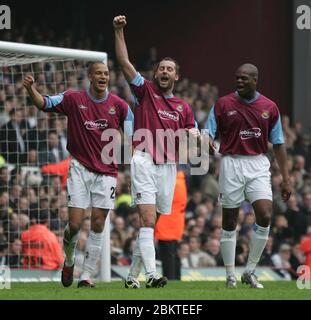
column 296, row 218
column 52, row 152
column 194, row 201
column 306, row 205
column 183, row 253
column 13, row 138
column 305, row 247
column 14, row 258
column 265, row 259
column 120, row 227
column 281, row 262
column 281, row 231
column 303, row 148
column 242, row 250
column 41, row 248
column 197, row 257
column 289, row 133
column 212, row 247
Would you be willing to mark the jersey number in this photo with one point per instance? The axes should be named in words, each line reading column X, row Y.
column 113, row 192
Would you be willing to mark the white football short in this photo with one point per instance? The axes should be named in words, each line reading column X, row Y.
column 244, row 178
column 88, row 189
column 151, row 183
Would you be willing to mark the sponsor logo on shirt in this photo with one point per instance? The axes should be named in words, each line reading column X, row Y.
column 180, row 108
column 81, row 106
column 250, row 133
column 168, row 115
column 265, row 115
column 231, row 113
column 99, row 124
column 112, row 110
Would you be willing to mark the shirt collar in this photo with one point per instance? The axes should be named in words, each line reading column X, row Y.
column 257, row 94
column 97, row 100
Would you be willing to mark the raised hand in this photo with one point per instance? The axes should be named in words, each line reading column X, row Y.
column 119, row 22
column 28, row 82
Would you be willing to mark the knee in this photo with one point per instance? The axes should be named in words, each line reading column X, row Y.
column 229, row 223
column 148, row 221
column 74, row 226
column 264, row 220
column 97, row 224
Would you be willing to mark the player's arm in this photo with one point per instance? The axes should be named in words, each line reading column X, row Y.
column 35, row 96
column 128, row 69
column 55, row 103
column 281, row 158
column 211, row 126
column 128, row 126
column 277, row 139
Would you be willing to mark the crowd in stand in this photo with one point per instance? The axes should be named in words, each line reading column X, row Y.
column 33, row 191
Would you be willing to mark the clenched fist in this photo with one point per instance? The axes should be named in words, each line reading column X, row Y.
column 119, row 22
column 28, row 82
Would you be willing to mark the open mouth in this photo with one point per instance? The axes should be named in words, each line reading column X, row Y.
column 240, row 87
column 102, row 82
column 164, row 80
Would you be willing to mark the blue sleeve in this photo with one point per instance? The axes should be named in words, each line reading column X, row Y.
column 138, row 80
column 129, row 122
column 196, row 125
column 276, row 134
column 211, row 123
column 53, row 101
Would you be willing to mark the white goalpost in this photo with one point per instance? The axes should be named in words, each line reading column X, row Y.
column 21, row 53
column 29, row 190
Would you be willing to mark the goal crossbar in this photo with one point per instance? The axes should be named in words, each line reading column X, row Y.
column 23, row 51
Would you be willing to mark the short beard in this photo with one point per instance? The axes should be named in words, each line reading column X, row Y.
column 169, row 87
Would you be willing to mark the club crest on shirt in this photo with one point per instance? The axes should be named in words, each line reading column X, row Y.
column 180, row 108
column 168, row 115
column 265, row 115
column 112, row 110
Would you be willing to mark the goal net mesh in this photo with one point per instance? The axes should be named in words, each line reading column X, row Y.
column 34, row 163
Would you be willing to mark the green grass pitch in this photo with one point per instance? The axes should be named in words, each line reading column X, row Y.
column 175, row 290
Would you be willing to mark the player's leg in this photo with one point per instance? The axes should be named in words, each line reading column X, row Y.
column 135, row 268
column 263, row 212
column 165, row 184
column 70, row 240
column 144, row 188
column 228, row 243
column 102, row 200
column 146, row 245
column 259, row 193
column 78, row 201
column 93, row 247
column 231, row 187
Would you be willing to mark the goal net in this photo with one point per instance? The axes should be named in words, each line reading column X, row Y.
column 34, row 161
